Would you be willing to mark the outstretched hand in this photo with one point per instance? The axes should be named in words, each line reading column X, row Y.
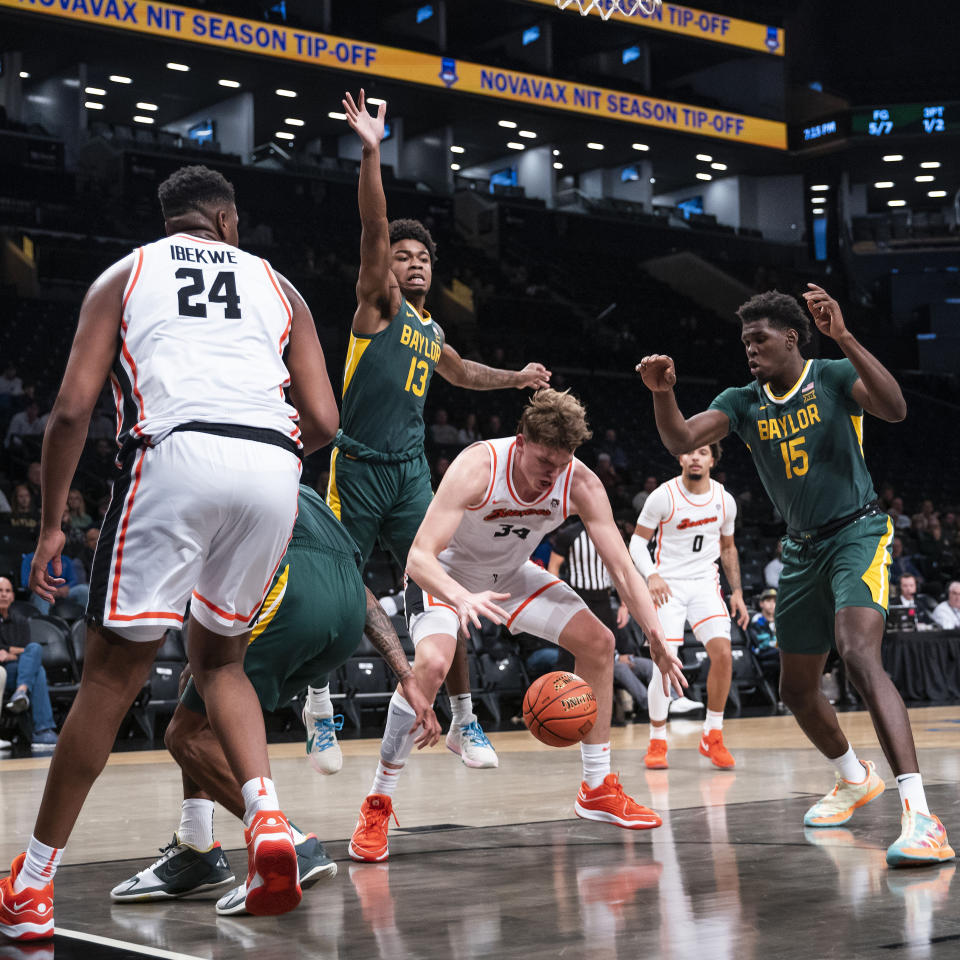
column 657, row 373
column 369, row 129
column 472, row 606
column 825, row 311
column 534, row 375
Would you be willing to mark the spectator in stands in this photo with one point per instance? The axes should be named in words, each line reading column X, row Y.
column 772, row 571
column 649, row 485
column 762, row 634
column 900, row 520
column 493, row 428
column 441, row 466
column 77, row 507
column 932, row 544
column 908, row 599
column 27, row 423
column 608, row 476
column 886, row 496
column 443, row 432
column 73, row 539
column 71, row 588
column 927, row 509
column 33, row 482
column 10, row 384
column 100, row 461
column 85, row 558
column 469, row 432
column 902, row 564
column 24, row 512
column 947, row 614
column 26, row 680
column 609, row 445
column 102, row 423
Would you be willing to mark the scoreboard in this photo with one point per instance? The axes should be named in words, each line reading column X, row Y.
column 906, row 119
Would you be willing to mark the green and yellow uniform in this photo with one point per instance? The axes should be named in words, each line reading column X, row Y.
column 379, row 477
column 313, row 616
column 808, row 449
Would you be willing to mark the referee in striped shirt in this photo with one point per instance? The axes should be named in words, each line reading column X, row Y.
column 585, row 571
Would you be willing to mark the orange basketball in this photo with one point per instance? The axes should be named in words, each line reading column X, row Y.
column 559, row 708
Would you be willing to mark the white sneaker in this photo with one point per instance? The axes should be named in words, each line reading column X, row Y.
column 323, row 751
column 683, row 705
column 6, row 745
column 837, row 807
column 470, row 744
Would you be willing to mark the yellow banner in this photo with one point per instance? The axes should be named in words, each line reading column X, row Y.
column 698, row 25
column 339, row 53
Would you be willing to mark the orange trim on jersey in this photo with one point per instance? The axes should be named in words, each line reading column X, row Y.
column 711, row 617
column 533, row 596
column 659, row 540
column 517, row 500
column 283, row 300
column 566, row 489
column 693, row 503
column 124, row 350
column 493, row 478
column 433, row 602
column 118, row 402
column 222, row 613
column 148, row 615
column 136, row 277
column 190, row 236
column 673, row 505
column 118, row 563
column 723, row 505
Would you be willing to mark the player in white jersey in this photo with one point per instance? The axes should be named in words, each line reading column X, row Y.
column 470, row 559
column 693, row 517
column 200, row 342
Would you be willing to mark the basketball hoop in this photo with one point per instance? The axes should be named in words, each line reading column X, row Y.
column 607, row 8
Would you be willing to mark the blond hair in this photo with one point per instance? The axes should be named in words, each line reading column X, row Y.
column 555, row 419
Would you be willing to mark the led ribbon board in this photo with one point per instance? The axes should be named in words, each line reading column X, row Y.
column 339, row 53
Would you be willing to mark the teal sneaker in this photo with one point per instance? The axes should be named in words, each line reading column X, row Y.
column 323, row 751
column 922, row 842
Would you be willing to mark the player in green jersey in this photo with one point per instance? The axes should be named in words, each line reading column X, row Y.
column 379, row 479
column 802, row 421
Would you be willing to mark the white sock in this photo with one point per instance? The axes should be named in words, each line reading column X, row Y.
column 390, row 606
column 196, row 824
column 910, row 786
column 461, row 706
column 658, row 733
column 39, row 866
column 849, row 767
column 319, row 702
column 596, row 762
column 258, row 794
column 714, row 721
column 385, row 781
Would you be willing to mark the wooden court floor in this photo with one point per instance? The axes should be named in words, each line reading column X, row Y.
column 493, row 863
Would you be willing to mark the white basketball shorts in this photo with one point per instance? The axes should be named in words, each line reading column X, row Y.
column 539, row 604
column 197, row 518
column 699, row 603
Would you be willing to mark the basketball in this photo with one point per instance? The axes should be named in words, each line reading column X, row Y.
column 559, row 708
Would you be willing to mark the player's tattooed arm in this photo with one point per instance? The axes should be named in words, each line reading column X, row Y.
column 731, row 567
column 478, row 376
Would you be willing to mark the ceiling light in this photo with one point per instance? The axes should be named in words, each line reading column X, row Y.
column 117, row 78
column 704, row 176
column 516, row 146
column 818, row 199
column 95, row 91
column 139, row 119
column 893, row 157
column 592, row 145
column 146, row 106
column 509, row 124
column 926, row 178
column 93, row 105
column 527, row 134
column 285, row 135
column 453, row 166
column 293, row 122
column 818, row 210
column 556, row 153
column 718, row 166
column 24, row 75
column 285, row 93
column 883, row 184
column 936, row 193
column 930, row 164
column 558, row 166
column 375, row 101
column 705, row 157
column 820, row 186
column 653, row 179
column 456, row 149
column 229, row 83
column 179, row 67
column 333, row 115
column 639, row 146
column 896, row 203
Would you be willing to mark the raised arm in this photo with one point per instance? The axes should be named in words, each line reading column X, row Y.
column 310, row 390
column 877, row 390
column 91, row 357
column 374, row 287
column 679, row 435
column 589, row 499
column 477, row 376
column 463, row 485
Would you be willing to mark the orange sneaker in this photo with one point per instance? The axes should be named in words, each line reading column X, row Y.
column 27, row 915
column 656, row 758
column 273, row 878
column 369, row 841
column 711, row 746
column 609, row 804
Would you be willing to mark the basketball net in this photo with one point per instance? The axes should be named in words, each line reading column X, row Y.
column 607, row 8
